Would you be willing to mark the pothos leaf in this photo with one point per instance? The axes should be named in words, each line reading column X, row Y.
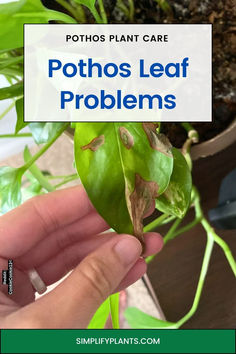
column 20, row 124
column 13, row 15
column 123, row 166
column 88, row 3
column 114, row 307
column 139, row 319
column 15, row 90
column 43, row 132
column 176, row 198
column 100, row 317
column 10, row 187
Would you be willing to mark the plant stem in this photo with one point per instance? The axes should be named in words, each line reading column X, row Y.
column 21, row 135
column 222, row 244
column 152, row 225
column 102, row 11
column 96, row 15
column 45, row 147
column 59, row 177
column 187, row 126
column 70, row 9
column 187, row 227
column 81, row 14
column 7, row 110
column 192, row 133
column 209, row 229
column 131, row 10
column 66, row 180
column 205, row 264
column 122, row 7
column 12, row 61
column 170, row 234
column 37, row 173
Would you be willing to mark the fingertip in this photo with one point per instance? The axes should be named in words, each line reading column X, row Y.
column 153, row 243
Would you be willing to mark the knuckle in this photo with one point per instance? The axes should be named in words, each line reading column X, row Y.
column 43, row 214
column 98, row 276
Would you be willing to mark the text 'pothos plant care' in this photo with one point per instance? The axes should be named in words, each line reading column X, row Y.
column 123, row 166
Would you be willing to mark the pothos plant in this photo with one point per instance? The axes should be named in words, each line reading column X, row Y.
column 135, row 161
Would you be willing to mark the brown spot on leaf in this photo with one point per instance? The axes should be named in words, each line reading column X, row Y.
column 126, row 138
column 140, row 201
column 157, row 141
column 94, row 144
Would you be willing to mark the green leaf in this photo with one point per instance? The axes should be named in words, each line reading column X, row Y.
column 100, row 317
column 114, row 306
column 36, row 172
column 88, row 3
column 6, row 62
column 10, row 187
column 122, row 167
column 176, row 198
column 139, row 319
column 15, row 90
column 43, row 132
column 164, row 5
column 13, row 15
column 20, row 124
column 32, row 190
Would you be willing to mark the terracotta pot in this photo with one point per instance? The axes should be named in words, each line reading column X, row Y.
column 216, row 144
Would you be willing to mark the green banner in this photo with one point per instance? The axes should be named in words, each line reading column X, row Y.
column 117, row 341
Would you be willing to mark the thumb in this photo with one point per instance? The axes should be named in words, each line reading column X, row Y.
column 73, row 303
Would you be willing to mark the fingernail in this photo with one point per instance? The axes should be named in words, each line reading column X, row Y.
column 128, row 250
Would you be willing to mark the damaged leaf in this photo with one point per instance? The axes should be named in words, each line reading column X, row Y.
column 176, row 198
column 94, row 144
column 123, row 175
column 157, row 141
column 126, row 138
column 140, row 201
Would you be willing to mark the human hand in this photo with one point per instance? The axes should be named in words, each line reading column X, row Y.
column 55, row 233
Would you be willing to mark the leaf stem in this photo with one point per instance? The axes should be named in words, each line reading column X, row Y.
column 96, row 15
column 10, row 61
column 59, row 177
column 171, row 233
column 7, row 110
column 222, row 244
column 131, row 10
column 102, row 11
column 37, row 173
column 66, row 180
column 45, row 147
column 209, row 229
column 205, row 264
column 21, row 135
column 69, row 8
column 187, row 227
column 152, row 225
column 122, row 7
